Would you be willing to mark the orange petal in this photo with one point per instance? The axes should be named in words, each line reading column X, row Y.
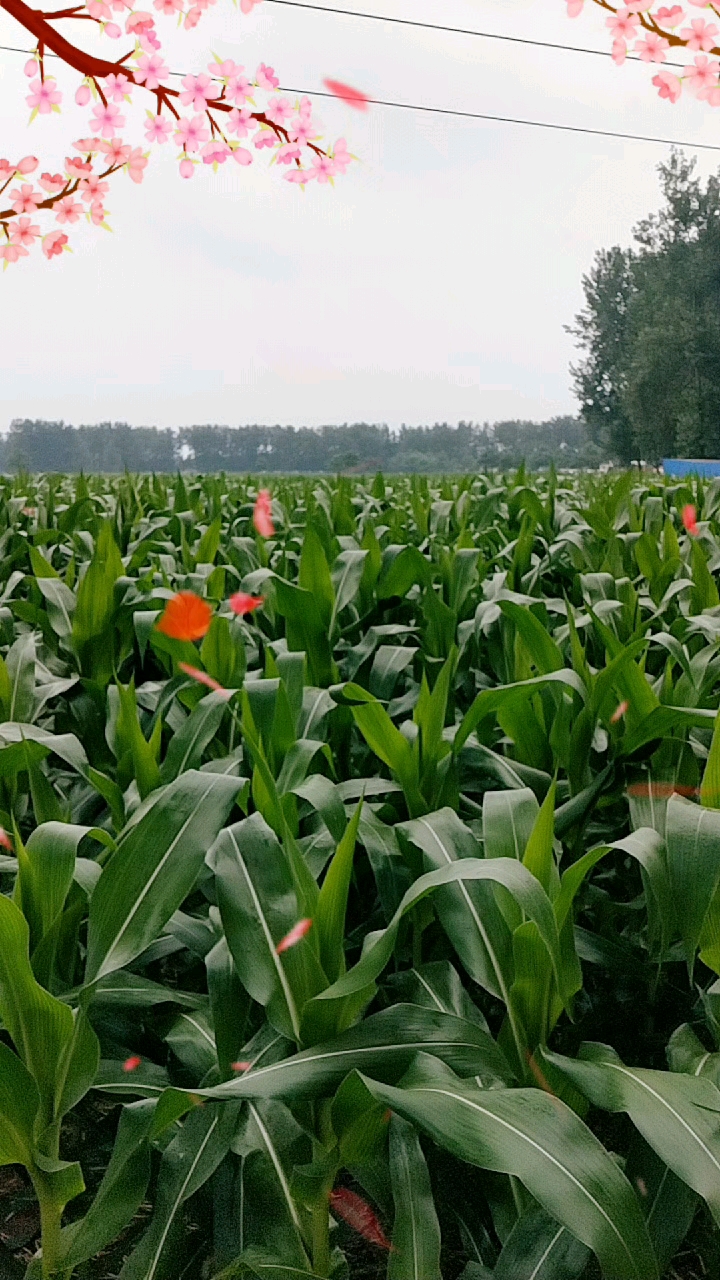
column 186, row 617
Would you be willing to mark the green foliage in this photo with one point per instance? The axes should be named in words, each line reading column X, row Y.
column 425, row 887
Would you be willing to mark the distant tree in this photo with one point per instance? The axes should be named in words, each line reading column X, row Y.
column 649, row 382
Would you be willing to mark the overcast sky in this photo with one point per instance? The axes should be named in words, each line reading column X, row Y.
column 432, row 283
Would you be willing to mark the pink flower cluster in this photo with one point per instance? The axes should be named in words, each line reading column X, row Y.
column 647, row 41
column 209, row 117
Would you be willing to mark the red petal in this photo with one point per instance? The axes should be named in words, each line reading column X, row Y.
column 358, row 1215
column 354, row 97
column 132, row 1064
column 689, row 519
column 291, row 939
column 242, row 603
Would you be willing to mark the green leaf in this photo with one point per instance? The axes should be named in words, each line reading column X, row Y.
column 539, row 1140
column 678, row 1116
column 332, row 903
column 96, row 605
column 188, row 744
column 19, row 1102
column 384, row 1043
column 469, row 912
column 543, row 650
column 259, row 906
column 489, row 701
column 59, row 1049
column 541, row 1249
column 416, row 1231
column 693, row 862
column 190, row 1159
column 154, row 868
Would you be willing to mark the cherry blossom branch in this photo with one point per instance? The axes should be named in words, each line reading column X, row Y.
column 224, row 95
column 657, row 27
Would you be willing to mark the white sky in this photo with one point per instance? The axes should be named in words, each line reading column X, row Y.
column 431, row 284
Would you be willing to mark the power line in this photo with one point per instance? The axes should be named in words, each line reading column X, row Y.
column 470, row 115
column 458, row 31
column 538, row 124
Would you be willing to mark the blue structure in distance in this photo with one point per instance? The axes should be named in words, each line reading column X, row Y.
column 678, row 467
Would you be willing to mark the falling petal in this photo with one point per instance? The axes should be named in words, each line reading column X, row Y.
column 358, row 1215
column 186, row 617
column 689, row 519
column 242, row 603
column 132, row 1063
column 5, row 840
column 241, row 1066
column 353, row 97
column 619, row 712
column 292, row 938
column 202, row 677
column 262, row 514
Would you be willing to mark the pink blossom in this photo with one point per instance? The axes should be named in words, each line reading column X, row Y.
column 619, row 52
column 265, row 138
column 668, row 85
column 136, row 165
column 574, row 8
column 238, row 89
column 324, row 168
column 192, row 17
column 28, row 164
column 91, row 188
column 118, row 88
column 96, row 213
column 139, row 22
column 54, row 243
column 24, row 232
column 341, row 156
column 87, row 145
column 82, row 94
column 45, row 95
column 24, row 198
column 68, row 210
column 76, row 166
column 215, row 152
column 301, row 130
column 305, row 109
column 116, row 150
column 187, row 168
column 51, row 183
column 112, row 30
column 652, row 48
column 701, row 76
column 158, row 128
column 279, row 110
column 669, row 17
column 265, row 78
column 197, row 90
column 107, row 119
column 190, row 133
column 288, row 152
column 240, row 122
column 699, row 35
column 299, row 176
column 148, row 40
column 623, row 24
column 98, row 9
column 151, row 70
column 241, row 155
column 168, row 6
column 247, row 6
column 224, row 69
column 6, row 170
column 11, row 252
column 31, row 68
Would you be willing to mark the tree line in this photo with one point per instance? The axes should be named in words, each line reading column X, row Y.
column 648, row 380
column 34, row 445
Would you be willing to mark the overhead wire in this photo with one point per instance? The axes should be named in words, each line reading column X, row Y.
column 455, row 112
column 458, row 31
